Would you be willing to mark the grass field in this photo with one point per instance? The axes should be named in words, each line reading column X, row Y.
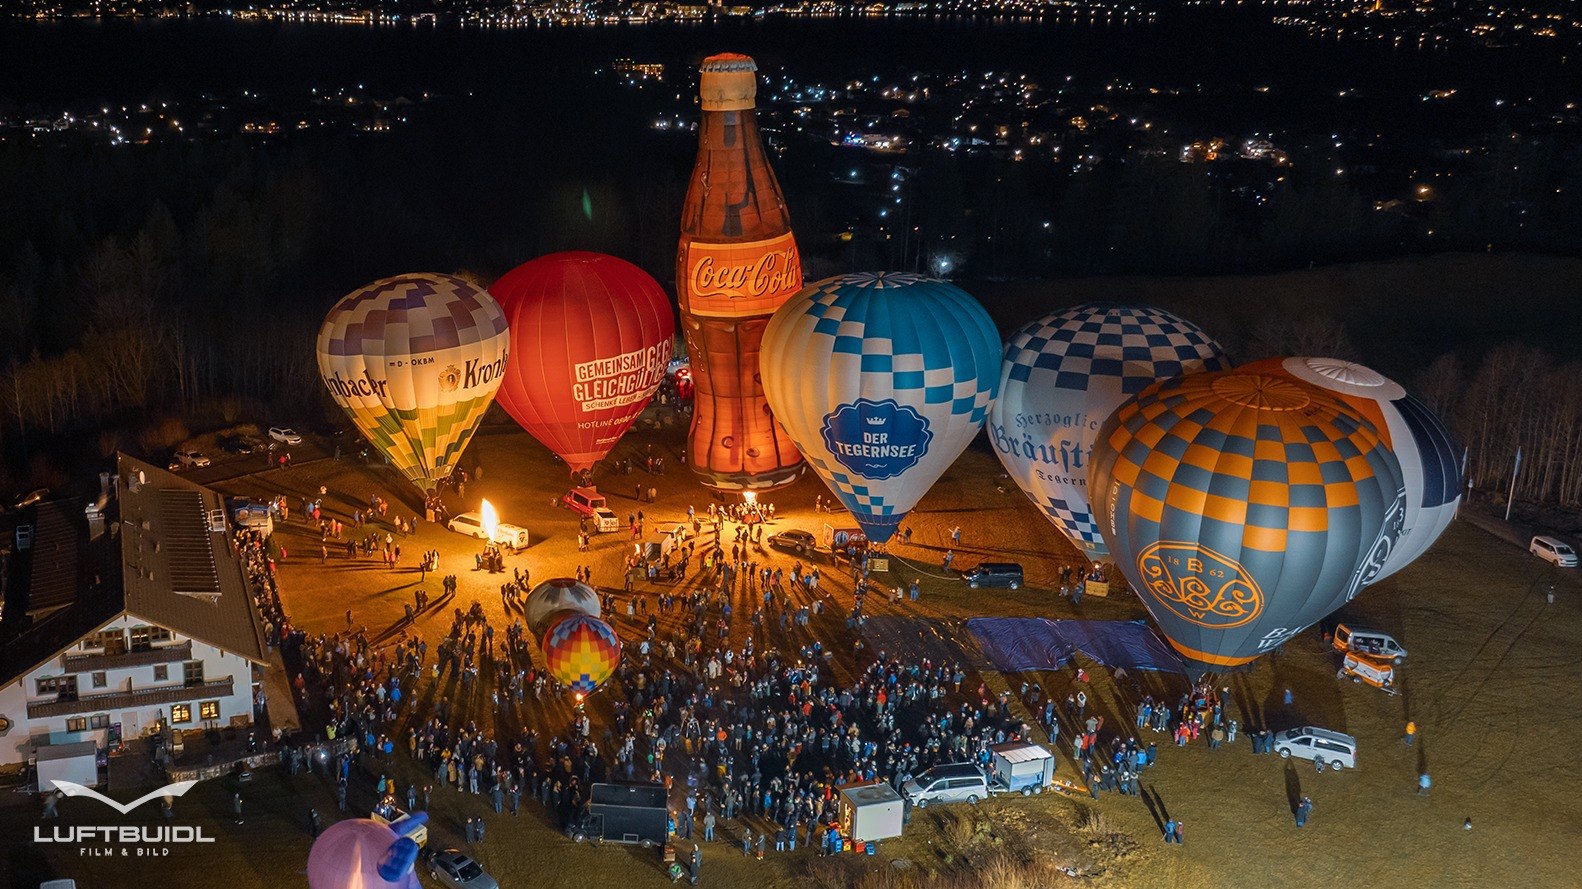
column 1492, row 680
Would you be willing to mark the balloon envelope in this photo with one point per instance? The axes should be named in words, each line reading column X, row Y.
column 591, row 339
column 415, row 360
column 1063, row 375
column 348, row 853
column 1243, row 508
column 882, row 380
column 561, row 595
column 582, row 652
column 1430, row 459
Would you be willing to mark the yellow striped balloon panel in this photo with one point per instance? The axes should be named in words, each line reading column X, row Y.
column 583, row 651
column 415, row 361
column 1243, row 507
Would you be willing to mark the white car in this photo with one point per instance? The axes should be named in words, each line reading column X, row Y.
column 1334, row 749
column 285, row 434
column 1554, row 550
column 192, row 459
column 505, row 534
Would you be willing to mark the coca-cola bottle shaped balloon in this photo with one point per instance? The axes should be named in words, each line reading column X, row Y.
column 736, row 264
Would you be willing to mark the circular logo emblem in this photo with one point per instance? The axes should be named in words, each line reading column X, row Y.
column 1198, row 585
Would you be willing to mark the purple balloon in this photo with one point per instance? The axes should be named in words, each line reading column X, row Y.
column 348, row 856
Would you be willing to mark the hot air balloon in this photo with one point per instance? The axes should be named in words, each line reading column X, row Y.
column 415, row 360
column 582, row 652
column 556, row 598
column 1243, row 507
column 881, row 380
column 1430, row 460
column 360, row 853
column 1062, row 376
column 591, row 342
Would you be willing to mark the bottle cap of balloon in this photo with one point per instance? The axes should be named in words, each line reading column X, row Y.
column 728, row 82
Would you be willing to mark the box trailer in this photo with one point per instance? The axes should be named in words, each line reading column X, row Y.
column 626, row 813
column 870, row 812
column 76, row 762
column 1020, row 767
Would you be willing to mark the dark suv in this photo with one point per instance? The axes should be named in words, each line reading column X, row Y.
column 802, row 542
column 1006, row 574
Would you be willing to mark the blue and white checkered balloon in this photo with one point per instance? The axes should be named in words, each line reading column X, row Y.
column 1063, row 375
column 882, row 380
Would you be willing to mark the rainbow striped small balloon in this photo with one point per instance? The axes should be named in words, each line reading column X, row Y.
column 582, row 651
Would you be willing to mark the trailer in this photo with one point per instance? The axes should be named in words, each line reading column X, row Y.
column 870, row 812
column 636, row 814
column 1020, row 767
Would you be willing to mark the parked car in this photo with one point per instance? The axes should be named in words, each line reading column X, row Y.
column 30, row 498
column 798, row 541
column 285, row 434
column 58, row 884
column 1334, row 749
column 193, row 459
column 1552, row 549
column 994, row 574
column 245, row 444
column 455, row 869
column 1373, row 643
column 588, row 502
column 505, row 534
column 960, row 782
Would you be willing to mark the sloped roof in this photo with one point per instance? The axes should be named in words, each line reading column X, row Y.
column 178, row 570
column 159, row 562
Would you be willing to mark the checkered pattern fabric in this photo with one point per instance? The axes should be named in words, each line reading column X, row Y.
column 923, row 343
column 1137, row 344
column 582, row 652
column 415, row 361
column 1248, row 494
column 1065, row 373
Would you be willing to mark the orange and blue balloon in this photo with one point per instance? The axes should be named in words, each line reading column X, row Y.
column 1243, row 508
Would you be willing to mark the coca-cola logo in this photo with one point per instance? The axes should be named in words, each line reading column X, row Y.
column 772, row 271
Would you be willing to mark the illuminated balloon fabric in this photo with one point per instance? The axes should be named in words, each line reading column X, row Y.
column 1243, row 508
column 882, row 380
column 1062, row 376
column 582, row 651
column 591, row 340
column 415, row 360
column 557, row 597
column 351, row 854
column 1430, row 459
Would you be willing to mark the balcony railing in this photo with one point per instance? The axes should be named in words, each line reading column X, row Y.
column 90, row 662
column 124, row 700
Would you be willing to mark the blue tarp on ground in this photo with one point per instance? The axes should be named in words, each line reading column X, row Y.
column 1014, row 644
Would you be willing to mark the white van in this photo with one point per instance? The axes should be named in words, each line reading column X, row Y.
column 1333, row 749
column 507, row 535
column 1373, row 643
column 1552, row 549
column 960, row 782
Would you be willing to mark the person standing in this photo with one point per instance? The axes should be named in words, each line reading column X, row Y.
column 1411, row 732
column 313, row 822
column 236, row 806
column 708, row 827
column 1424, row 784
column 1303, row 809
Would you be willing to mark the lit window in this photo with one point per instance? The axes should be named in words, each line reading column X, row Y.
column 180, row 713
column 209, row 710
column 77, row 724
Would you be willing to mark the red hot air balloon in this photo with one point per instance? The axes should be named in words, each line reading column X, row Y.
column 592, row 338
